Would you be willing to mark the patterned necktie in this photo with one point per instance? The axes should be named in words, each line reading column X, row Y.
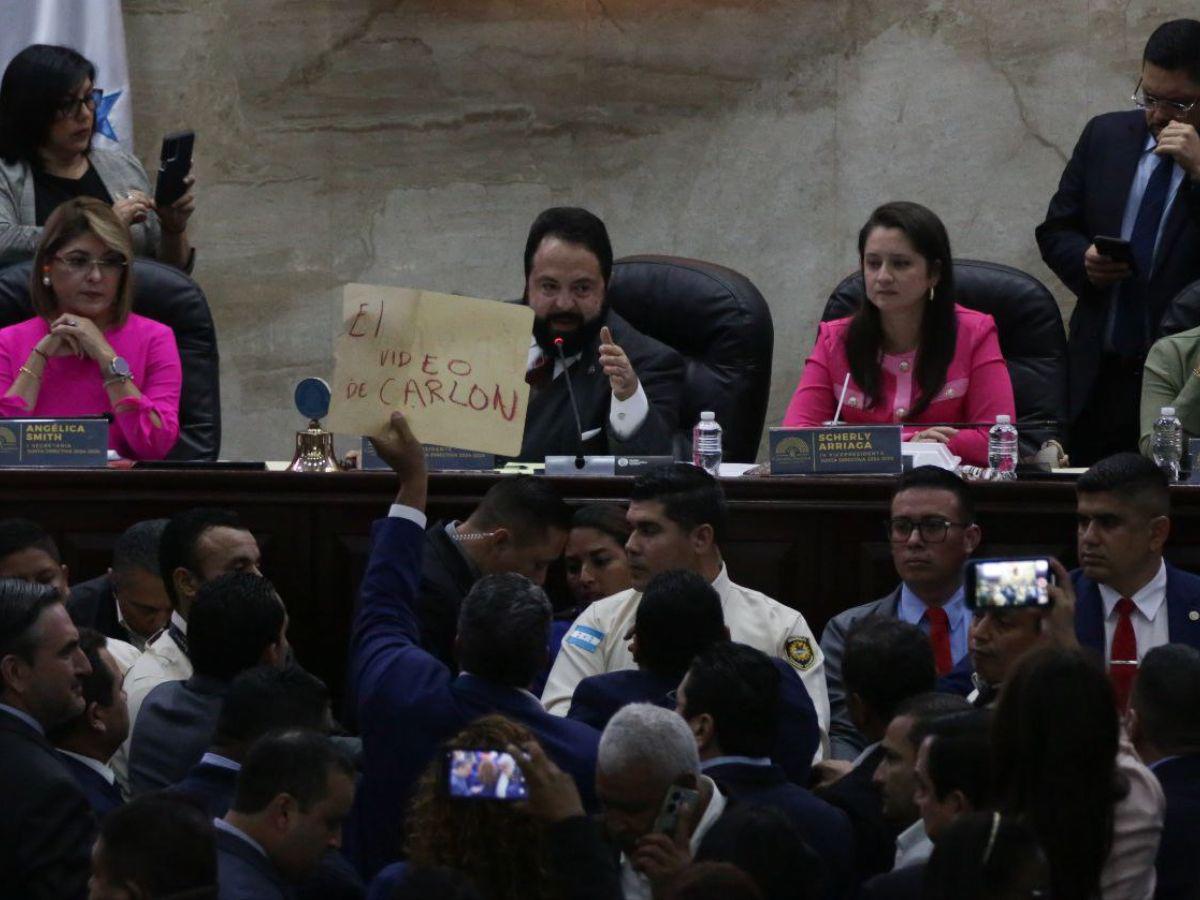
column 1123, row 658
column 939, row 637
column 1131, row 325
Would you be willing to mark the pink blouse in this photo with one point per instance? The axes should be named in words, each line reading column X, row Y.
column 75, row 387
column 977, row 387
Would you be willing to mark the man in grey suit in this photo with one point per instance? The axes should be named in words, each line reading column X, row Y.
column 933, row 532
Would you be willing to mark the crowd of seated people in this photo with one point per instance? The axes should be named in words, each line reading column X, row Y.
column 670, row 733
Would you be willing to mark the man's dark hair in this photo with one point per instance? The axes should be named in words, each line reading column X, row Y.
column 177, row 543
column 297, row 762
column 21, row 534
column 1175, row 46
column 766, row 845
column 1132, row 478
column 739, row 687
column 689, row 495
column 526, row 505
column 234, row 619
column 503, row 629
column 574, row 226
column 960, row 756
column 263, row 699
column 678, row 616
column 21, row 605
column 138, row 546
column 164, row 845
column 98, row 687
column 1166, row 696
column 987, row 856
column 885, row 662
column 935, row 478
column 35, row 84
column 926, row 709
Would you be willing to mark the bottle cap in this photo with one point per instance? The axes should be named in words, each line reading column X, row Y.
column 708, row 417
column 1003, row 420
column 1167, row 411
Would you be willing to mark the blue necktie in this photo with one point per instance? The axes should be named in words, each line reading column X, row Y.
column 1131, row 323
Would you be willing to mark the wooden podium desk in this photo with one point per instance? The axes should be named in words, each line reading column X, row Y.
column 816, row 544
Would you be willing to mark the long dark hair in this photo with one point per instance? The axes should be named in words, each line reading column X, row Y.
column 1055, row 737
column 36, row 82
column 864, row 339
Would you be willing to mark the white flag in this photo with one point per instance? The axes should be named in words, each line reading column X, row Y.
column 91, row 27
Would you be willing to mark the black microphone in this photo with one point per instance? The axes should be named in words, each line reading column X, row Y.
column 579, row 460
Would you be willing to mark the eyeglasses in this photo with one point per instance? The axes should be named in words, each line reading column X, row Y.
column 1143, row 100
column 82, row 264
column 932, row 530
column 68, row 109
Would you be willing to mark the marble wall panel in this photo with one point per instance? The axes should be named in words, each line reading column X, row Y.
column 412, row 141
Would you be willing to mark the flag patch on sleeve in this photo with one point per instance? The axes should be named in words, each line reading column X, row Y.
column 800, row 652
column 585, row 638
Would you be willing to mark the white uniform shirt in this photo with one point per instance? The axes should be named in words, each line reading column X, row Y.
column 161, row 661
column 596, row 643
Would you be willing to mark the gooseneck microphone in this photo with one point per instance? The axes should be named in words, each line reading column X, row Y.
column 580, row 462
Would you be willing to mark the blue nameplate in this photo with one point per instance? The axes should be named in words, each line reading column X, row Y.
column 437, row 459
column 54, row 443
column 845, row 450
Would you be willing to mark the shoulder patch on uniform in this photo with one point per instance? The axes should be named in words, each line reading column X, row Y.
column 585, row 638
column 800, row 652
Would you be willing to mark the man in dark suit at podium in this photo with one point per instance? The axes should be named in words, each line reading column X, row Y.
column 627, row 386
column 1136, row 176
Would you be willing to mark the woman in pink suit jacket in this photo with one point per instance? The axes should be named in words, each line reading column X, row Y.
column 913, row 355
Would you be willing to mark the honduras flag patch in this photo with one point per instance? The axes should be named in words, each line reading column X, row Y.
column 585, row 638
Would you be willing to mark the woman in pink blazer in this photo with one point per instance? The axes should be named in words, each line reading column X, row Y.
column 913, row 355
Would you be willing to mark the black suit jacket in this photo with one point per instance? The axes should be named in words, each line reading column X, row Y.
column 1178, row 862
column 1091, row 201
column 93, row 605
column 550, row 425
column 856, row 795
column 101, row 796
column 245, row 874
column 46, row 825
column 445, row 580
column 907, row 883
column 209, row 786
column 1183, row 602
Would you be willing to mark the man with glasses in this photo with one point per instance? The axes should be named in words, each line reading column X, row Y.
column 1134, row 176
column 932, row 532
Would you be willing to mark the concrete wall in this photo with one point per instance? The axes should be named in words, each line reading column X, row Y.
column 412, row 142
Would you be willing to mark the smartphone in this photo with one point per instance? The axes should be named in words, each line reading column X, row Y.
column 175, row 161
column 1114, row 248
column 1008, row 583
column 484, row 775
column 677, row 802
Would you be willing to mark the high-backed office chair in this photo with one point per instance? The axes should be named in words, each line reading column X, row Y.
column 1183, row 312
column 721, row 325
column 1032, row 338
column 167, row 295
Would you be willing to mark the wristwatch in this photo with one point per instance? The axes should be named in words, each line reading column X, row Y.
column 119, row 369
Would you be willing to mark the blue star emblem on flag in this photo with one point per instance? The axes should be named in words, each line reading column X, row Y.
column 103, row 108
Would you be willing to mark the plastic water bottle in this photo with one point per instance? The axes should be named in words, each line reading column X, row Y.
column 706, row 444
column 1002, row 448
column 1166, row 445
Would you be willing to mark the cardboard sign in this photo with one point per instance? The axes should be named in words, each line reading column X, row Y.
column 455, row 366
column 54, row 443
column 437, row 459
column 845, row 450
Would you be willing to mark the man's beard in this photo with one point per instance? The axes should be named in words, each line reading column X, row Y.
column 573, row 341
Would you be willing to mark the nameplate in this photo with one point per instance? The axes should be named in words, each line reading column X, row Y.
column 629, row 466
column 54, row 443
column 437, row 459
column 845, row 450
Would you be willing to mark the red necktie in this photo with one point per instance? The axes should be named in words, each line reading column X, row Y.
column 939, row 636
column 1122, row 659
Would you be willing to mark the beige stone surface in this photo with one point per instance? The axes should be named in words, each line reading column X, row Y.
column 411, row 142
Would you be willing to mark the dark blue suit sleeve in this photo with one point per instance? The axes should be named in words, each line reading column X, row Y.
column 387, row 664
column 1062, row 237
column 585, row 706
column 799, row 731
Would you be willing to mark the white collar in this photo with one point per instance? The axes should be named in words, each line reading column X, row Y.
column 221, row 762
column 94, row 764
column 222, row 825
column 760, row 761
column 1148, row 599
column 716, row 806
column 178, row 621
column 867, row 751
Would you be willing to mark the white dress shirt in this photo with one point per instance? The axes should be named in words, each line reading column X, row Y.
column 1149, row 618
column 912, row 845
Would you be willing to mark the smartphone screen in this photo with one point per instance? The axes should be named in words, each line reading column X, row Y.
column 999, row 583
column 484, row 775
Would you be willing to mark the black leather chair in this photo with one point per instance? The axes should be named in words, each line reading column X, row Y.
column 1183, row 312
column 167, row 295
column 1032, row 338
column 721, row 325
